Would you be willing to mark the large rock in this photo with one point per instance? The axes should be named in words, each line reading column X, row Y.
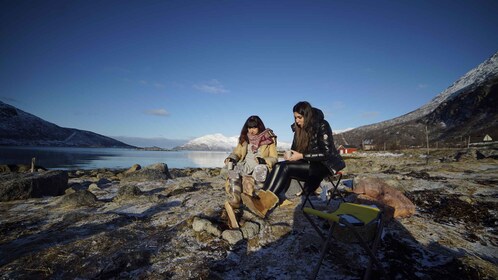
column 162, row 167
column 127, row 192
column 134, row 168
column 78, row 199
column 15, row 186
column 378, row 190
column 200, row 224
column 154, row 172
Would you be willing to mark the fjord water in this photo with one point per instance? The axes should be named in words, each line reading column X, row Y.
column 114, row 158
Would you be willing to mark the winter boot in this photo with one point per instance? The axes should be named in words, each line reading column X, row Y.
column 268, row 199
column 261, row 204
column 253, row 204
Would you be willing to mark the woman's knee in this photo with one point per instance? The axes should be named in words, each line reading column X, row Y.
column 280, row 168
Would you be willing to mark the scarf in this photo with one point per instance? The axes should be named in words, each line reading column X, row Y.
column 264, row 138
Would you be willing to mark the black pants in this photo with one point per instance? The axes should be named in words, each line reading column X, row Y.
column 280, row 177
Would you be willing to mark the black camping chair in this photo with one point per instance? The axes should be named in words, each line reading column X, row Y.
column 335, row 180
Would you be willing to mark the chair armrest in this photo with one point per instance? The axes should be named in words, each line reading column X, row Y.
column 328, row 216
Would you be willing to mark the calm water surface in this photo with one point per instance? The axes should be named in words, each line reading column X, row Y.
column 91, row 158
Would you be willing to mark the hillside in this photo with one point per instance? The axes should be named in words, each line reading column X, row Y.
column 18, row 128
column 468, row 109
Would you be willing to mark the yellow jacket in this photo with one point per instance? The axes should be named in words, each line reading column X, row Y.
column 268, row 152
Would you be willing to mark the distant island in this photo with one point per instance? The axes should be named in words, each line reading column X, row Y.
column 153, row 149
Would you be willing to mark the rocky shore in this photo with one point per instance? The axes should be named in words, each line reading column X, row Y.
column 160, row 223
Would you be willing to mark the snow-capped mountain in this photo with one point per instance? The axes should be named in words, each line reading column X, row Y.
column 282, row 146
column 18, row 128
column 467, row 108
column 219, row 142
column 210, row 142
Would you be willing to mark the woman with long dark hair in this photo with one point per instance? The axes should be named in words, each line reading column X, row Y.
column 313, row 156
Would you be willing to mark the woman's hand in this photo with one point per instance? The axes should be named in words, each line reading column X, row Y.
column 295, row 156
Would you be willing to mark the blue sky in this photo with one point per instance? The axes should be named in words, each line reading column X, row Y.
column 184, row 69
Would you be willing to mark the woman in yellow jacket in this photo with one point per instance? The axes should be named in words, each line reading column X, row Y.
column 253, row 158
column 257, row 145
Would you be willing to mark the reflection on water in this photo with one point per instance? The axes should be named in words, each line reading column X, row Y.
column 91, row 158
column 207, row 158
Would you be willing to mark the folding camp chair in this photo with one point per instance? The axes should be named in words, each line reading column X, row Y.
column 364, row 222
column 334, row 179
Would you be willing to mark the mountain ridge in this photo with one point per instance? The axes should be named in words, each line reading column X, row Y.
column 467, row 108
column 19, row 128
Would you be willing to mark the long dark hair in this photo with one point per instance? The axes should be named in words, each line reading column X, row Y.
column 303, row 134
column 251, row 122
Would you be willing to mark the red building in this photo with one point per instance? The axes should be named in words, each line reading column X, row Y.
column 346, row 149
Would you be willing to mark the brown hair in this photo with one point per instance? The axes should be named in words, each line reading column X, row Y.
column 252, row 121
column 303, row 134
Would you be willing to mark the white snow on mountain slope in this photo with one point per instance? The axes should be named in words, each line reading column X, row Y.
column 219, row 142
column 211, row 142
column 474, row 78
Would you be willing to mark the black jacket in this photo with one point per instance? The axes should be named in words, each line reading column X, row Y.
column 321, row 146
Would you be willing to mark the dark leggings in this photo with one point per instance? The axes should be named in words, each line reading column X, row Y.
column 279, row 180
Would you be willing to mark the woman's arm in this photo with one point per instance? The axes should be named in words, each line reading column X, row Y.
column 237, row 153
column 272, row 157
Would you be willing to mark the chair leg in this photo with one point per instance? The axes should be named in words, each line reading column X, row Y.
column 335, row 192
column 374, row 249
column 306, row 196
column 370, row 251
column 317, row 229
column 322, row 254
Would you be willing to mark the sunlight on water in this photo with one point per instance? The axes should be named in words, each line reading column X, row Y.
column 91, row 158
